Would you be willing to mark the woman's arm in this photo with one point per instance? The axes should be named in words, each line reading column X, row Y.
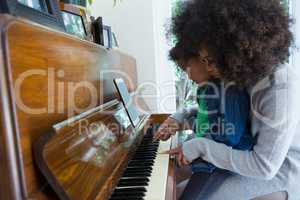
column 275, row 119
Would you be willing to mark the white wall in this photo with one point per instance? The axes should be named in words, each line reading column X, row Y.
column 138, row 25
column 296, row 53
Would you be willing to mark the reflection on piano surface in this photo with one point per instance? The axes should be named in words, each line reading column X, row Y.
column 99, row 152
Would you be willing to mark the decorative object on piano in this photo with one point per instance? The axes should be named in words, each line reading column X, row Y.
column 45, row 12
column 115, row 43
column 102, row 34
column 97, row 30
column 107, row 37
column 115, row 2
column 75, row 21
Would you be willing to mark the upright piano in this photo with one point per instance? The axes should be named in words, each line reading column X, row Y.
column 64, row 134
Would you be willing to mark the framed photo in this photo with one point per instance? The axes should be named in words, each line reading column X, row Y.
column 74, row 21
column 97, row 30
column 45, row 12
column 107, row 37
column 115, row 43
column 82, row 3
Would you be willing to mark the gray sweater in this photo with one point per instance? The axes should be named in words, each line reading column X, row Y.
column 275, row 116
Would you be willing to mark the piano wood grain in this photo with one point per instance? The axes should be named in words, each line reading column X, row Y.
column 28, row 47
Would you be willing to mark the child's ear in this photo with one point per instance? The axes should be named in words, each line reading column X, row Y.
column 213, row 70
column 210, row 68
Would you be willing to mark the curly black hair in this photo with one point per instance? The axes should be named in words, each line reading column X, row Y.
column 248, row 39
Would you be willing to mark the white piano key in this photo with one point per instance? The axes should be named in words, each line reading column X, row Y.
column 156, row 190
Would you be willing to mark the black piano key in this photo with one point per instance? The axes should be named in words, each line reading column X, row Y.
column 134, row 179
column 143, row 157
column 128, row 194
column 147, row 143
column 136, row 189
column 147, row 147
column 141, row 168
column 146, row 152
column 141, row 164
column 146, row 156
column 137, row 174
column 138, row 168
column 131, row 162
column 126, row 197
column 141, row 153
column 143, row 143
column 132, row 183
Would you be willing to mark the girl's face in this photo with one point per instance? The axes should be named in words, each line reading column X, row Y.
column 200, row 69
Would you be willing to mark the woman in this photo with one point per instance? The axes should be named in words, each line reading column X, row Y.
column 246, row 42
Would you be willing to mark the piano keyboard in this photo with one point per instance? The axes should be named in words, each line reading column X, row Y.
column 146, row 175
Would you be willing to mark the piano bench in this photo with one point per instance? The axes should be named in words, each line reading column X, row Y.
column 274, row 196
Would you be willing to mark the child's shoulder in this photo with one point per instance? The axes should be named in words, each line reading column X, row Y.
column 218, row 87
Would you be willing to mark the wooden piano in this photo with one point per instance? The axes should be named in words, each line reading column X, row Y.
column 58, row 139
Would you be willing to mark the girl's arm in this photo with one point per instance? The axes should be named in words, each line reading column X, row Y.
column 185, row 114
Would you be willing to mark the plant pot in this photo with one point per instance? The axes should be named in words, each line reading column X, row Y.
column 77, row 2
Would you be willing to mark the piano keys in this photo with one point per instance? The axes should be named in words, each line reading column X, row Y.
column 145, row 177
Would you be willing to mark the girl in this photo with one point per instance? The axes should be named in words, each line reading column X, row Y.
column 246, row 42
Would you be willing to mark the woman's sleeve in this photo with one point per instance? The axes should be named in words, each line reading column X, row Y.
column 275, row 118
column 185, row 113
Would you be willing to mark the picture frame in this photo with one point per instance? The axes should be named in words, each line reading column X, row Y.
column 115, row 42
column 97, row 30
column 75, row 21
column 45, row 12
column 107, row 37
column 82, row 3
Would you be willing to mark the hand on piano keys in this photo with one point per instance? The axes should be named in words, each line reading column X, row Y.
column 167, row 129
column 181, row 160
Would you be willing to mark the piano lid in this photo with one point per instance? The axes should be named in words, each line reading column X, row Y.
column 83, row 157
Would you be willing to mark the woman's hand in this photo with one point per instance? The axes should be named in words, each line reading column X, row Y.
column 181, row 160
column 167, row 129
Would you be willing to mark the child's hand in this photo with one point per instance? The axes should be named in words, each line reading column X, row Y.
column 167, row 129
column 182, row 161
